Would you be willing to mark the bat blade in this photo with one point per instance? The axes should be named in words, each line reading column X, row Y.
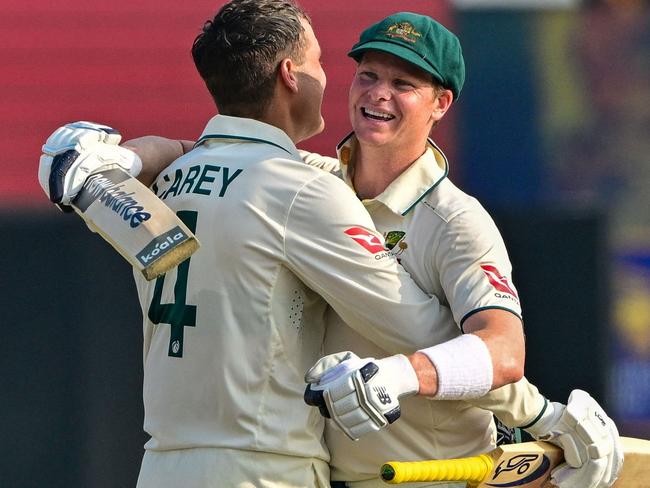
column 132, row 219
column 525, row 465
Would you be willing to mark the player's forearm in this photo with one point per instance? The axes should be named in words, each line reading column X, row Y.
column 503, row 335
column 516, row 404
column 489, row 356
column 426, row 373
column 156, row 154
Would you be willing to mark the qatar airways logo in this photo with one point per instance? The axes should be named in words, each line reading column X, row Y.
column 498, row 281
column 366, row 239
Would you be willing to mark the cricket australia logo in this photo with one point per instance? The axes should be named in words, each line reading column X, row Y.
column 382, row 395
column 404, row 31
column 395, row 242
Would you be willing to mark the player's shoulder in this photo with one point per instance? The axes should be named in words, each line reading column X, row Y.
column 448, row 202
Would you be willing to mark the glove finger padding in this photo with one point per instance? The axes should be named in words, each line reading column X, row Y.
column 75, row 151
column 361, row 395
column 350, row 406
column 80, row 135
column 590, row 475
column 322, row 377
column 589, row 439
column 324, row 369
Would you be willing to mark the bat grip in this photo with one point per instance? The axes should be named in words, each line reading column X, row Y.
column 472, row 470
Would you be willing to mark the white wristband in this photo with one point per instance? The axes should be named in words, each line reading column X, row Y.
column 464, row 367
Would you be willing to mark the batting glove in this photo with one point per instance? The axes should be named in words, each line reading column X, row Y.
column 360, row 395
column 589, row 438
column 76, row 150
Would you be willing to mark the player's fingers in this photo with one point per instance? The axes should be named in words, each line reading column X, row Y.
column 313, row 398
column 61, row 164
column 364, row 429
column 575, row 453
column 316, row 372
column 590, row 475
column 80, row 135
column 44, row 170
column 615, row 458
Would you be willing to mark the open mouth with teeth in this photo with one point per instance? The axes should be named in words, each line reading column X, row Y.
column 371, row 114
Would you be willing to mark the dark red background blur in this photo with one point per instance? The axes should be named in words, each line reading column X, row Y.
column 128, row 64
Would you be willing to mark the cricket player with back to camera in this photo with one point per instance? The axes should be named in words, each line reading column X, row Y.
column 160, row 340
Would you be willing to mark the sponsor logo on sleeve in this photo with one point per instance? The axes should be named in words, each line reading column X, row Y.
column 368, row 240
column 499, row 281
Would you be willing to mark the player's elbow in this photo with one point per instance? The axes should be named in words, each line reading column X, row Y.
column 503, row 335
column 509, row 368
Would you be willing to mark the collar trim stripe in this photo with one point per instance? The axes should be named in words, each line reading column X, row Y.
column 241, row 138
column 430, row 189
column 344, row 141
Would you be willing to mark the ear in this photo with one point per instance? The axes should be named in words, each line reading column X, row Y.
column 442, row 102
column 287, row 72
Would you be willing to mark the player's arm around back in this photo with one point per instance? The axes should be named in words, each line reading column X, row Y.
column 331, row 244
column 489, row 354
column 156, row 153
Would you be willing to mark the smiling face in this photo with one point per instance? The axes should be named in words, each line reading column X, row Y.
column 394, row 104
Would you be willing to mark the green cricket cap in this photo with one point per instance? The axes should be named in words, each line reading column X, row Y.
column 419, row 40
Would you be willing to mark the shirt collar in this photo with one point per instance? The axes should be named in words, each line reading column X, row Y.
column 249, row 130
column 411, row 186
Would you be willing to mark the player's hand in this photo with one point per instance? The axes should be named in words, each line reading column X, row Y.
column 331, row 165
column 360, row 395
column 76, row 150
column 589, row 438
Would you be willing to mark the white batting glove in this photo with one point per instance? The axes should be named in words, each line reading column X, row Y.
column 76, row 150
column 360, row 395
column 589, row 438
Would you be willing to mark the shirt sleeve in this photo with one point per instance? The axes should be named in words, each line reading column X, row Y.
column 475, row 271
column 331, row 244
column 516, row 405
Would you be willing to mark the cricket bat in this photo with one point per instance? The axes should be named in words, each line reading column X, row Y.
column 524, row 465
column 127, row 214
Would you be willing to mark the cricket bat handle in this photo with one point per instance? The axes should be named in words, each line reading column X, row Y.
column 472, row 469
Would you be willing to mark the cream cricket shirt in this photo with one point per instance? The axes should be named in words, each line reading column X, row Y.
column 453, row 250
column 229, row 334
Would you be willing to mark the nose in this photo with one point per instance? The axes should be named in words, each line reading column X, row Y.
column 379, row 91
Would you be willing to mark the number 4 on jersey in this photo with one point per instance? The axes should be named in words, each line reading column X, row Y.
column 178, row 314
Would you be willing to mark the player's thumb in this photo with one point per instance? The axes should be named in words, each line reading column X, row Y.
column 325, row 364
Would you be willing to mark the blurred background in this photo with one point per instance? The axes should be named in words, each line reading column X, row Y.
column 551, row 133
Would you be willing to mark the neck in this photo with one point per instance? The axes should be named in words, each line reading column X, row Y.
column 278, row 115
column 376, row 167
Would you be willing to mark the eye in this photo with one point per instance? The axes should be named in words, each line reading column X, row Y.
column 404, row 84
column 367, row 75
